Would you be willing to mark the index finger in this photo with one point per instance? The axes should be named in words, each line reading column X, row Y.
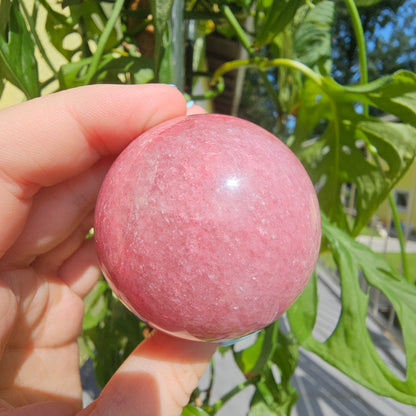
column 50, row 139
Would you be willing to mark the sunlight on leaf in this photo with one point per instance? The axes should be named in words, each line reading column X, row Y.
column 190, row 410
column 350, row 347
column 17, row 55
column 278, row 15
column 346, row 161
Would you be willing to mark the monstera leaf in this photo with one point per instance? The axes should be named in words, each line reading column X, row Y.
column 86, row 19
column 350, row 347
column 306, row 39
column 342, row 147
column 313, row 37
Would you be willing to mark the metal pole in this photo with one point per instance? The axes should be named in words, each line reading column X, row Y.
column 178, row 49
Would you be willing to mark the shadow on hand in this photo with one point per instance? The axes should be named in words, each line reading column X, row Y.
column 131, row 394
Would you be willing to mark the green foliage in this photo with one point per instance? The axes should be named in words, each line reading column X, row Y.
column 17, row 48
column 350, row 347
column 312, row 36
column 280, row 351
column 348, row 149
column 277, row 15
column 190, row 410
column 344, row 147
column 110, row 333
column 161, row 13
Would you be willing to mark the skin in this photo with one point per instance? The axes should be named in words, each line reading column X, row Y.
column 54, row 153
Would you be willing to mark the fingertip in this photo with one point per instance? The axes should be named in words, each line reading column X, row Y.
column 169, row 98
column 167, row 347
column 195, row 109
column 158, row 377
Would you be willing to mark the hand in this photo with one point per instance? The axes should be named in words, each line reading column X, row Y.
column 54, row 153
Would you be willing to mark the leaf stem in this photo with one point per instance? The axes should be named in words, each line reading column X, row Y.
column 359, row 35
column 263, row 64
column 239, row 387
column 291, row 63
column 211, row 381
column 92, row 69
column 239, row 31
column 400, row 235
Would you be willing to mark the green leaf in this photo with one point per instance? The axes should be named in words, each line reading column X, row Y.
column 166, row 74
column 4, row 20
column 17, row 55
column 395, row 94
column 271, row 398
column 286, row 357
column 304, row 311
column 91, row 16
column 114, row 337
column 339, row 146
column 313, row 37
column 308, row 40
column 190, row 410
column 350, row 347
column 161, row 12
column 278, row 15
column 260, row 408
column 96, row 306
column 58, row 27
column 86, row 19
column 272, row 349
column 252, row 359
column 4, row 15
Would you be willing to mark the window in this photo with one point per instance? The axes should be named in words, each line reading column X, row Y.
column 402, row 199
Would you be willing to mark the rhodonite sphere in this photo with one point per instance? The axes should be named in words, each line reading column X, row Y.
column 207, row 227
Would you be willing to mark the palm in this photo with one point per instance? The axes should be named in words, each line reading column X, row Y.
column 47, row 271
column 40, row 357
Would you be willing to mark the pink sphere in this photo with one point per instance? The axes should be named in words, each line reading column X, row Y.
column 207, row 227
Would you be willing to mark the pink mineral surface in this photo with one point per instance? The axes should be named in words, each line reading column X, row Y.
column 207, row 227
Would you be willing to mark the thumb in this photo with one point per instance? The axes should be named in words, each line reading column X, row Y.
column 157, row 379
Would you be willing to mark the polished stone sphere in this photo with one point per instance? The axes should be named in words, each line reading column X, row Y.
column 207, row 227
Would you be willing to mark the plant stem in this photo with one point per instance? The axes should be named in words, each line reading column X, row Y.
column 118, row 5
column 263, row 64
column 399, row 231
column 239, row 31
column 359, row 36
column 211, row 382
column 239, row 387
column 305, row 70
column 178, row 49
